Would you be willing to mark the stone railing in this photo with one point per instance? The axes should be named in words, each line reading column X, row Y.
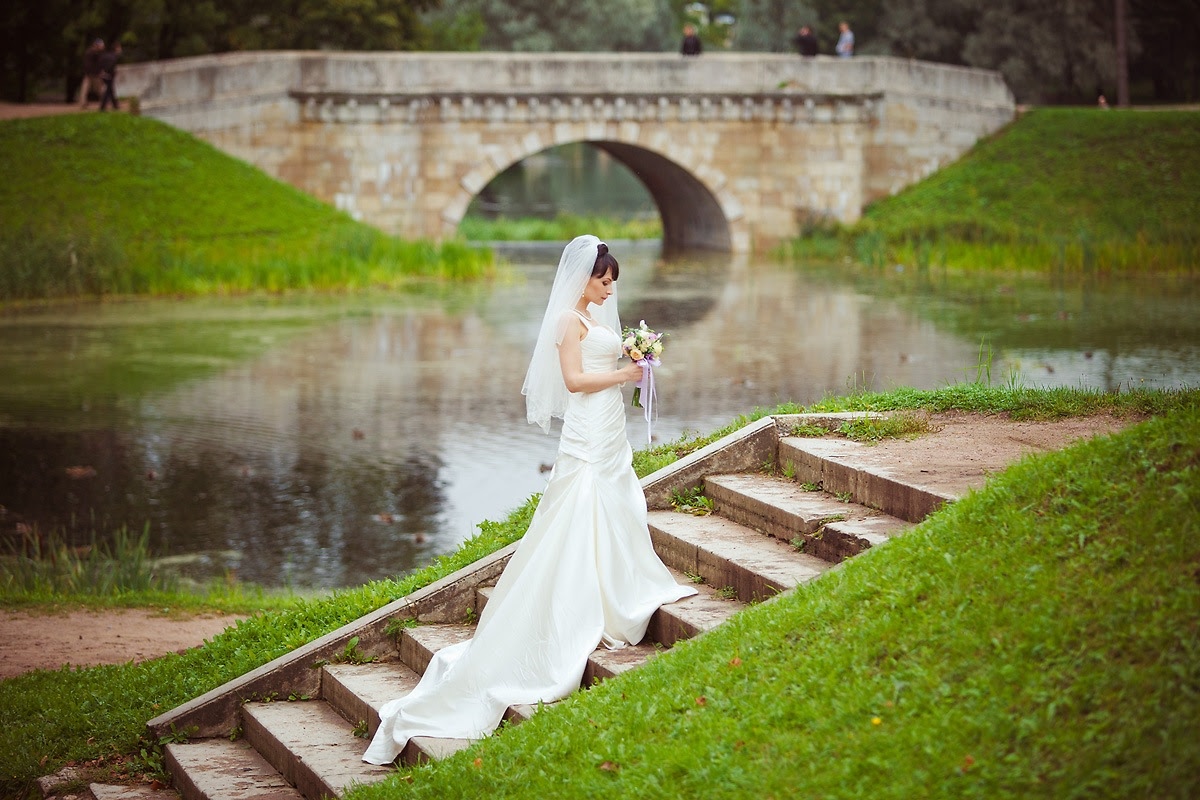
column 340, row 106
column 719, row 84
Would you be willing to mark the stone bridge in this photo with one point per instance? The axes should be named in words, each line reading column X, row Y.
column 738, row 151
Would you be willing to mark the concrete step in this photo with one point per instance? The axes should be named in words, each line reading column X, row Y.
column 673, row 622
column 691, row 616
column 106, row 791
column 831, row 529
column 604, row 663
column 731, row 557
column 358, row 691
column 421, row 642
column 218, row 769
column 417, row 645
column 901, row 489
column 482, row 595
column 422, row 749
column 310, row 744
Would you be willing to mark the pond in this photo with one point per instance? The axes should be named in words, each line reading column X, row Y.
column 323, row 441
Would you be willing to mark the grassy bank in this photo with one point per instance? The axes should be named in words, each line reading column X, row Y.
column 1066, row 189
column 101, row 204
column 855, row 627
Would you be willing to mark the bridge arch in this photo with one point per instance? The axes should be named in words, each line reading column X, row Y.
column 695, row 214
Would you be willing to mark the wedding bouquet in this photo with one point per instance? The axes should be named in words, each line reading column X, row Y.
column 643, row 346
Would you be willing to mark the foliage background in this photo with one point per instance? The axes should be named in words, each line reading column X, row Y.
column 1048, row 52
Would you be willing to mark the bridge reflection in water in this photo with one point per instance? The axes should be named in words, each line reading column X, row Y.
column 360, row 437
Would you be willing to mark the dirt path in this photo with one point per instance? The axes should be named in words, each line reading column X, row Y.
column 23, row 110
column 48, row 639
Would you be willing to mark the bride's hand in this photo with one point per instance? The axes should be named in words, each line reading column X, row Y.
column 630, row 372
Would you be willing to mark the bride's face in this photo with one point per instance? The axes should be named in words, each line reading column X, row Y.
column 599, row 289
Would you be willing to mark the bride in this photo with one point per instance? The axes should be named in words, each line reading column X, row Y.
column 585, row 573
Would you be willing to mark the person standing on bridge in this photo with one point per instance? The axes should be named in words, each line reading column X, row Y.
column 805, row 41
column 91, row 72
column 108, row 73
column 691, row 42
column 845, row 42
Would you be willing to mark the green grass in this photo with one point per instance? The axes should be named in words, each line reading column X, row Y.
column 1053, row 561
column 1067, row 189
column 562, row 228
column 102, row 204
column 902, row 425
column 1037, row 639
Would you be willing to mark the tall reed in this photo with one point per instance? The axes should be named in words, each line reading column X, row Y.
column 57, row 263
column 38, row 564
column 561, row 228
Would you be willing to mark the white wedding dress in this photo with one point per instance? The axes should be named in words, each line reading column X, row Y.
column 585, row 573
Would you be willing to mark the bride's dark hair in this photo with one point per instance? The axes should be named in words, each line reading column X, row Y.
column 605, row 263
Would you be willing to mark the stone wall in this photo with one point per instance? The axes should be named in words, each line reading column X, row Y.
column 736, row 149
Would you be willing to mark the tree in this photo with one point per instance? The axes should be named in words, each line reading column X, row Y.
column 45, row 40
column 560, row 25
column 1046, row 52
column 359, row 24
column 31, row 38
column 769, row 25
column 1169, row 62
column 452, row 29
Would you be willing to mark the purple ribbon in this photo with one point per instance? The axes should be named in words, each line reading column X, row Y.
column 646, row 384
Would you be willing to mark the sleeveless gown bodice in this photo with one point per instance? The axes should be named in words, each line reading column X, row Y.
column 584, row 574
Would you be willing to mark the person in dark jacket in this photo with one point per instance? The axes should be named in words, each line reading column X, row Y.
column 108, row 73
column 91, row 72
column 691, row 42
column 805, row 41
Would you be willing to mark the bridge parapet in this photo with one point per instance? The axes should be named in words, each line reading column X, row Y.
column 169, row 87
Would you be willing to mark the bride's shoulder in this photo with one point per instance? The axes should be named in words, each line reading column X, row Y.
column 570, row 320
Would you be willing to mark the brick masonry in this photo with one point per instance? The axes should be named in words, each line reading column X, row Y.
column 738, row 150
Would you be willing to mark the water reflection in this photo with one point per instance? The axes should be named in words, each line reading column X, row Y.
column 576, row 178
column 321, row 442
column 1102, row 332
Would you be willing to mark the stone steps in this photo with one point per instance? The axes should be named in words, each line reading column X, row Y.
column 832, row 529
column 734, row 559
column 218, row 769
column 768, row 534
column 845, row 466
column 310, row 744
